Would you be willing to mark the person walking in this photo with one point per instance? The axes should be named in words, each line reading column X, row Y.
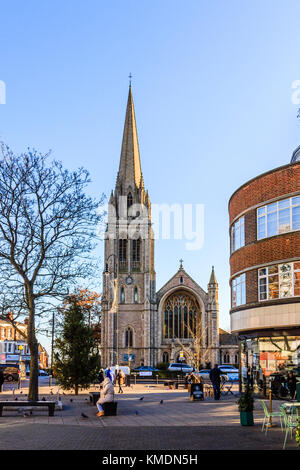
column 1, row 379
column 106, row 394
column 119, row 378
column 291, row 383
column 215, row 377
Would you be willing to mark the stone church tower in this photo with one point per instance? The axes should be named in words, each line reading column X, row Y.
column 140, row 326
column 128, row 301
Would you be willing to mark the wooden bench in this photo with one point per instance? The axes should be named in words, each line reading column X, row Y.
column 22, row 404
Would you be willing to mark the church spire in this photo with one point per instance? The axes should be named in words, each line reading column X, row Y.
column 213, row 279
column 130, row 172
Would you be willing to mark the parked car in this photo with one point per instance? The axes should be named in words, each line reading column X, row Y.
column 204, row 373
column 145, row 369
column 178, row 367
column 10, row 372
column 42, row 372
column 231, row 372
column 125, row 369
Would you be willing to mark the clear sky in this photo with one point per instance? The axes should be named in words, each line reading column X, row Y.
column 212, row 86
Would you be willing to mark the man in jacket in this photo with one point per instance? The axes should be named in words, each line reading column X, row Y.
column 106, row 394
column 215, row 377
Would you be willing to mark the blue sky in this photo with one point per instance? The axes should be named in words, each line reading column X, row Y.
column 212, row 86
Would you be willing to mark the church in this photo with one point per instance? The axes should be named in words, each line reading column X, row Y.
column 139, row 325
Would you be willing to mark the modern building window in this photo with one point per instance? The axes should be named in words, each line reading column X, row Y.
column 278, row 217
column 238, row 234
column 129, row 338
column 279, row 281
column 238, row 290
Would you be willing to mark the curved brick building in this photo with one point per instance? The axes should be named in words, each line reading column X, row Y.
column 265, row 271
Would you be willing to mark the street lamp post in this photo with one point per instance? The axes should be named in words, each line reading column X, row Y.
column 20, row 371
column 114, row 307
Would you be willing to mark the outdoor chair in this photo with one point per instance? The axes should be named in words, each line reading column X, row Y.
column 291, row 422
column 268, row 415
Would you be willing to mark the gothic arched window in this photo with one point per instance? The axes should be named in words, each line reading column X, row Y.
column 122, row 254
column 181, row 316
column 165, row 357
column 129, row 338
column 129, row 200
column 135, row 295
column 122, row 295
column 136, row 253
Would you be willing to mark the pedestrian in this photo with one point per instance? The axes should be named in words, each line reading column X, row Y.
column 291, row 383
column 1, row 379
column 119, row 379
column 215, row 377
column 106, row 394
column 101, row 376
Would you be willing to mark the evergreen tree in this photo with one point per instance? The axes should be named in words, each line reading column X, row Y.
column 76, row 362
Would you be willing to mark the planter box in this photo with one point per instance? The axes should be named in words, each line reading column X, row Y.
column 246, row 418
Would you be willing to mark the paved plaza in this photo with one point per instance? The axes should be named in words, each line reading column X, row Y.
column 144, row 424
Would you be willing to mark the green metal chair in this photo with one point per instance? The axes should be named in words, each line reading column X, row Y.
column 273, row 414
column 290, row 422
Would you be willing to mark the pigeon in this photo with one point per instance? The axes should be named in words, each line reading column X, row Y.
column 83, row 415
column 25, row 414
column 161, row 402
column 21, row 392
column 136, row 412
column 51, row 393
column 142, row 398
column 16, row 399
column 43, row 399
column 71, row 400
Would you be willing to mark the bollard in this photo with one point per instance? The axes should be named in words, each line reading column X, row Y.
column 156, row 379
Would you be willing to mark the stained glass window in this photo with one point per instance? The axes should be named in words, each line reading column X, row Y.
column 182, row 313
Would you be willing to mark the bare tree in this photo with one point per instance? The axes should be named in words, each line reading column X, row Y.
column 47, row 234
column 196, row 345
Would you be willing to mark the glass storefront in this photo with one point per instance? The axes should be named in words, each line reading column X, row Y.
column 267, row 361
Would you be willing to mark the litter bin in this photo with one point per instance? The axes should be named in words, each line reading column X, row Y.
column 298, row 391
column 127, row 380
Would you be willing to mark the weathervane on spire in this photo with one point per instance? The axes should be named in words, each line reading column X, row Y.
column 130, row 77
column 181, row 261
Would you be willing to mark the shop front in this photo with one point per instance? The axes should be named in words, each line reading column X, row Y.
column 267, row 360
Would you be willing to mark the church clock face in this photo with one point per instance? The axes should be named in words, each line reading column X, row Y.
column 129, row 280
